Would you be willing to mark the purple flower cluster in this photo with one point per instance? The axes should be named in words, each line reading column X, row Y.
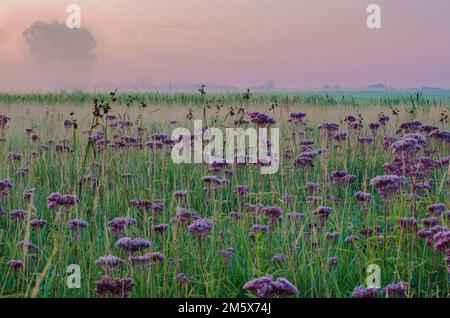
column 200, row 228
column 5, row 185
column 18, row 214
column 133, row 244
column 109, row 262
column 440, row 135
column 272, row 212
column 296, row 118
column 261, row 119
column 266, row 287
column 387, row 184
column 339, row 177
column 406, row 224
column 76, row 224
column 118, row 224
column 363, row 197
column 117, row 288
column 56, row 200
column 258, row 228
column 15, row 264
column 409, row 127
column 362, row 292
column 396, row 290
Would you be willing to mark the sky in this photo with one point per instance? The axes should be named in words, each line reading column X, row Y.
column 295, row 43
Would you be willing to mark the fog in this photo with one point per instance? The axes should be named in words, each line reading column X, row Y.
column 298, row 44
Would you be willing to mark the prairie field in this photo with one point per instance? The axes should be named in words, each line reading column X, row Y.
column 92, row 205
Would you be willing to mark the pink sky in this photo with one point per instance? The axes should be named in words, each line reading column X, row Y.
column 295, row 43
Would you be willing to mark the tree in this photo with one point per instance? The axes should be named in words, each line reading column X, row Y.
column 65, row 55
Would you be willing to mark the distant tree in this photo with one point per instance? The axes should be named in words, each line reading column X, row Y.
column 63, row 57
column 54, row 43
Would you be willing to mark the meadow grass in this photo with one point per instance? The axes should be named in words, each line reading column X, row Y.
column 403, row 257
column 328, row 98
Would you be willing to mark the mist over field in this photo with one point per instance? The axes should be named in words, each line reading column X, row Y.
column 297, row 44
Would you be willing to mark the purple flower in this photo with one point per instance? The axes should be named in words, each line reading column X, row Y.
column 363, row 197
column 14, row 156
column 440, row 135
column 109, row 262
column 117, row 225
column 265, row 287
column 133, row 245
column 430, row 221
column 18, row 214
column 147, row 258
column 296, row 118
column 364, row 140
column 332, row 236
column 15, row 264
column 257, row 228
column 333, row 261
column 254, row 208
column 387, row 184
column 35, row 223
column 406, row 146
column 160, row 228
column 396, row 290
column 226, row 253
column 406, row 223
column 261, row 119
column 114, row 287
column 141, row 204
column 409, row 126
column 383, row 119
column 436, row 208
column 28, row 195
column 351, row 239
column 235, row 215
column 183, row 278
column 374, row 127
column 76, row 224
column 180, row 194
column 56, row 200
column 5, row 184
column 279, row 259
column 272, row 212
column 322, row 212
column 350, row 119
column 241, row 190
column 212, row 182
column 361, row 292
column 339, row 136
column 337, row 176
column 388, row 141
column 312, row 187
column 201, row 227
column 428, row 128
column 329, row 128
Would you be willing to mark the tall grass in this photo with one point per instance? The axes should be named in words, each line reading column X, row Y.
column 155, row 177
column 362, row 98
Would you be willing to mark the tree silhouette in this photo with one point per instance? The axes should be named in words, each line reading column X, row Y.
column 54, row 43
column 63, row 57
